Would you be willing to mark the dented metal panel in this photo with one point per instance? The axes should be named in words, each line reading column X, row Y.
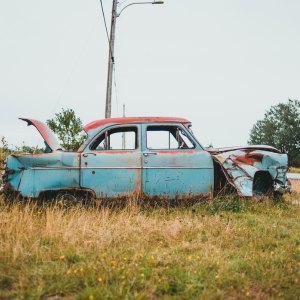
column 240, row 167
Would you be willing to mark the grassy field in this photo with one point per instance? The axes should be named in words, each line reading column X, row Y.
column 228, row 248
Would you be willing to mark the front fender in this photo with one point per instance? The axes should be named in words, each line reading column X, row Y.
column 240, row 166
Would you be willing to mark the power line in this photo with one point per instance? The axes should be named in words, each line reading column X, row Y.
column 112, row 58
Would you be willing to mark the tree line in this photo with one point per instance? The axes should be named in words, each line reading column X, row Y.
column 280, row 128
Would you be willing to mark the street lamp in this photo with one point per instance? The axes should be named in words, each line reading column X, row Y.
column 111, row 51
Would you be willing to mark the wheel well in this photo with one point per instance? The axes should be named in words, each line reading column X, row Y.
column 262, row 183
column 73, row 191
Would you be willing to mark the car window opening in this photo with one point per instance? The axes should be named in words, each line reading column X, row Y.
column 119, row 138
column 168, row 137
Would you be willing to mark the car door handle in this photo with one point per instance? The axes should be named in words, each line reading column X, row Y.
column 86, row 154
column 146, row 154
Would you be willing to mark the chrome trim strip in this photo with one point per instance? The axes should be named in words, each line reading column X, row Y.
column 110, row 167
column 178, row 167
column 175, row 167
column 55, row 168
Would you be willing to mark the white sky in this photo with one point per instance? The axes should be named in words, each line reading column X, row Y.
column 218, row 63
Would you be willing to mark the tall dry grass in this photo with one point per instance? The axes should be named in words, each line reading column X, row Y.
column 228, row 248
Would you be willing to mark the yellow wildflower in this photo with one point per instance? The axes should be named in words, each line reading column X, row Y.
column 68, row 272
column 159, row 280
column 190, row 258
column 142, row 275
column 62, row 257
column 100, row 279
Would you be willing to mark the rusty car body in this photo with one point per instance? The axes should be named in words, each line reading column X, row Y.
column 153, row 157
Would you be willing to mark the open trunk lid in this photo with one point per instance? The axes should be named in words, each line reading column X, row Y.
column 45, row 132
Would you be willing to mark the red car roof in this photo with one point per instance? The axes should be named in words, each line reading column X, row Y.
column 103, row 122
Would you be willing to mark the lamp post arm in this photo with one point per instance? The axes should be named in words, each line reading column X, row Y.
column 153, row 2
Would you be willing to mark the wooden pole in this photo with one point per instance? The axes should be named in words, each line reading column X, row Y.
column 111, row 60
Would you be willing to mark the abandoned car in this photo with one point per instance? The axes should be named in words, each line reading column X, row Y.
column 152, row 157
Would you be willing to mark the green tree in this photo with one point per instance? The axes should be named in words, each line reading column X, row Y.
column 280, row 128
column 68, row 128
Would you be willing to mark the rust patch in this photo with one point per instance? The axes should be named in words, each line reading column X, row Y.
column 86, row 164
column 39, row 166
column 93, row 172
column 7, row 186
column 249, row 158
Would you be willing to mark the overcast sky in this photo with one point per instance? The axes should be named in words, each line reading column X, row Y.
column 218, row 63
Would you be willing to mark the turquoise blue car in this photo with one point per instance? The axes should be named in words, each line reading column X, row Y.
column 151, row 157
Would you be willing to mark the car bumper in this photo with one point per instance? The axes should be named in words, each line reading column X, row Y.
column 283, row 188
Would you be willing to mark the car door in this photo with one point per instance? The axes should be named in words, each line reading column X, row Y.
column 174, row 164
column 111, row 164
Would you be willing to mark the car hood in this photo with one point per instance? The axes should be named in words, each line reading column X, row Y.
column 45, row 132
column 250, row 147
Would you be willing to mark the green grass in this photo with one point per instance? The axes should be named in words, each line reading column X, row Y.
column 228, row 248
column 294, row 170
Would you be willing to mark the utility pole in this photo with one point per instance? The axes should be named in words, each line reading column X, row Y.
column 111, row 60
